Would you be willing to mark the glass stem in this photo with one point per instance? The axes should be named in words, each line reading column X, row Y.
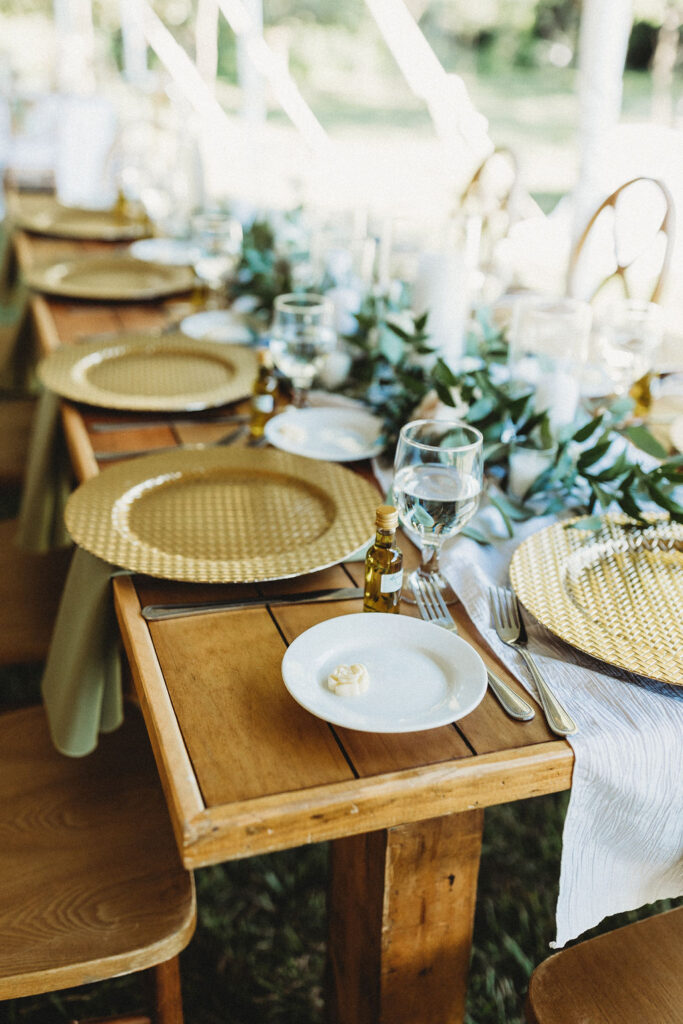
column 429, row 563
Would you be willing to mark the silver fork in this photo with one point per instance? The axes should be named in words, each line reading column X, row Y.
column 434, row 609
column 512, row 631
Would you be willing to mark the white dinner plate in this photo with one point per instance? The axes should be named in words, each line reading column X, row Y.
column 329, row 433
column 173, row 252
column 421, row 676
column 217, row 325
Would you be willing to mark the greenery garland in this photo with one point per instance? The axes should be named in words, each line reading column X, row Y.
column 395, row 369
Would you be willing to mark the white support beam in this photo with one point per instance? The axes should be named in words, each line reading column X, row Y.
column 183, row 72
column 456, row 120
column 267, row 64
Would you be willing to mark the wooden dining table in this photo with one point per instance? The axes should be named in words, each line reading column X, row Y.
column 247, row 771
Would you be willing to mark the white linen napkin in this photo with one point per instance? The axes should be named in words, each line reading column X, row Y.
column 622, row 845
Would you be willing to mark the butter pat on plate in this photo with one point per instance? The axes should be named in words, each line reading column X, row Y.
column 349, row 680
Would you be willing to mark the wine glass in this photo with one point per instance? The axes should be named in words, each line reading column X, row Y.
column 301, row 336
column 438, row 472
column 628, row 336
column 218, row 238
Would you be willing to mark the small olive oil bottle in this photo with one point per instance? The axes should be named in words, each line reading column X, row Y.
column 264, row 395
column 384, row 565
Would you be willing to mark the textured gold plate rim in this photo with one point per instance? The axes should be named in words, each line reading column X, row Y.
column 591, row 639
column 53, row 220
column 57, row 370
column 93, row 515
column 52, row 278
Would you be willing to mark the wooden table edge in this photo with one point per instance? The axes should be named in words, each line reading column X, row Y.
column 208, row 835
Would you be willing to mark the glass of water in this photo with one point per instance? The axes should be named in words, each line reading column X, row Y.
column 218, row 239
column 301, row 336
column 438, row 472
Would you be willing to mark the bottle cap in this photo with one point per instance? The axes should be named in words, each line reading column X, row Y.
column 386, row 517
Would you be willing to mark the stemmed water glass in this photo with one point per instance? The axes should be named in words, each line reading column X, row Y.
column 438, row 472
column 301, row 336
column 218, row 238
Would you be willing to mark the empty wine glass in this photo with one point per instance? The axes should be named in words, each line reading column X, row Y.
column 301, row 336
column 437, row 482
column 218, row 238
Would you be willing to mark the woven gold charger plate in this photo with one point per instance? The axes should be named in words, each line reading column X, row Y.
column 616, row 594
column 151, row 373
column 223, row 515
column 43, row 215
column 113, row 278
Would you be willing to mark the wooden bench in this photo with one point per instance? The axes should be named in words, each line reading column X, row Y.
column 633, row 975
column 92, row 885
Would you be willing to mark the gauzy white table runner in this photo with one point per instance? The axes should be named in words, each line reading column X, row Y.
column 623, row 835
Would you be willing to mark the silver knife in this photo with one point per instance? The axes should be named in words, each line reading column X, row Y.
column 157, row 612
column 101, row 427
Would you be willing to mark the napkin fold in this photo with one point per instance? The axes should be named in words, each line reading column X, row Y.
column 81, row 684
column 47, row 482
column 622, row 845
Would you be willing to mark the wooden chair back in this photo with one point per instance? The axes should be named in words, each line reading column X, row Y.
column 92, row 882
column 633, row 975
column 630, row 235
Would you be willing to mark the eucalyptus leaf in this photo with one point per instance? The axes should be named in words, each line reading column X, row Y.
column 642, row 438
column 592, row 523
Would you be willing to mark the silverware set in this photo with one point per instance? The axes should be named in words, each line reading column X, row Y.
column 510, row 628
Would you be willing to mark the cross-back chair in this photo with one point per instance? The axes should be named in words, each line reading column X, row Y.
column 626, row 245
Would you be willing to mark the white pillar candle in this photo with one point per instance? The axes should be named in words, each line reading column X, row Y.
column 441, row 290
column 558, row 392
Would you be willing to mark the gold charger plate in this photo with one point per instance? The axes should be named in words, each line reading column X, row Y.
column 43, row 215
column 151, row 373
column 109, row 278
column 616, row 594
column 223, row 515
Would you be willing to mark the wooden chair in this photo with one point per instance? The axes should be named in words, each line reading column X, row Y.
column 92, row 884
column 628, row 242
column 633, row 975
column 30, row 589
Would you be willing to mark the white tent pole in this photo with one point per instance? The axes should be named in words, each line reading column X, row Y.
column 251, row 82
column 603, row 40
column 134, row 42
column 75, row 45
column 206, row 40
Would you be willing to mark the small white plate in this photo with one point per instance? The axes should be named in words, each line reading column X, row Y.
column 421, row 676
column 217, row 325
column 172, row 252
column 327, row 432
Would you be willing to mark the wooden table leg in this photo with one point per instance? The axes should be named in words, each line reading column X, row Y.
column 401, row 914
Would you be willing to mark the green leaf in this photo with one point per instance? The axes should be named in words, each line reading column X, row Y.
column 593, row 455
column 422, row 517
column 588, row 429
column 444, row 374
column 474, row 534
column 507, row 522
column 421, row 322
column 642, row 438
column 592, row 523
column 664, row 500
